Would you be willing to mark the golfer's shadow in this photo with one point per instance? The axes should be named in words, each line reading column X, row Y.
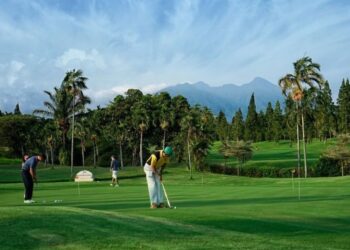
column 257, row 201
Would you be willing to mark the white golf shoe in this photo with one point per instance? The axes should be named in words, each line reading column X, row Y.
column 29, row 201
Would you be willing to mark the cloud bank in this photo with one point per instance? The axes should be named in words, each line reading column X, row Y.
column 154, row 44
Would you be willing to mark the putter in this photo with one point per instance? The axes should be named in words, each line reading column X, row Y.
column 79, row 188
column 166, row 196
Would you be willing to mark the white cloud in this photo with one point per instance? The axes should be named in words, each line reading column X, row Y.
column 11, row 71
column 76, row 56
column 152, row 88
column 106, row 95
column 134, row 44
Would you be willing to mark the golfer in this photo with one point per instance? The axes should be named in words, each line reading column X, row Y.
column 115, row 166
column 29, row 176
column 153, row 168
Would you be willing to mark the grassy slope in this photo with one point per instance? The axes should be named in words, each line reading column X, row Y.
column 272, row 154
column 213, row 212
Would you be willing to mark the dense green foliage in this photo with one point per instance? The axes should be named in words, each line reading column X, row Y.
column 19, row 133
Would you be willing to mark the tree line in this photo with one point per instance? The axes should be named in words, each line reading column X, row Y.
column 134, row 124
column 323, row 118
column 131, row 126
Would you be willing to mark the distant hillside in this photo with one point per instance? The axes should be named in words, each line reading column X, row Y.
column 228, row 97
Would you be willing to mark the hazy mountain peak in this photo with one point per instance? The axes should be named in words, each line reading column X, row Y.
column 229, row 97
column 201, row 84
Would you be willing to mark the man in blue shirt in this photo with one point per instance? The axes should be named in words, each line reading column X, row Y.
column 115, row 166
column 29, row 176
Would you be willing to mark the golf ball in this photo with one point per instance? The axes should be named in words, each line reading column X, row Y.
column 174, row 207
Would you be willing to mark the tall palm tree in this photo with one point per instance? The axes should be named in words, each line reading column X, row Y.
column 82, row 132
column 121, row 138
column 188, row 127
column 94, row 144
column 164, row 114
column 142, row 119
column 164, row 126
column 143, row 126
column 59, row 109
column 74, row 82
column 306, row 75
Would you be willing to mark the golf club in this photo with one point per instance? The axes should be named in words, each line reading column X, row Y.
column 166, row 196
column 79, row 188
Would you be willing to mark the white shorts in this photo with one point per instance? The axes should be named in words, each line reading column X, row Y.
column 114, row 174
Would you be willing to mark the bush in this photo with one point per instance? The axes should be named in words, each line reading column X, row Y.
column 104, row 160
column 327, row 167
column 253, row 171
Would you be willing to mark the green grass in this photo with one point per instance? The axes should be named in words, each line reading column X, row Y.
column 273, row 154
column 213, row 212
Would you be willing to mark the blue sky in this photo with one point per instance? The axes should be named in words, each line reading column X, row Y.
column 152, row 44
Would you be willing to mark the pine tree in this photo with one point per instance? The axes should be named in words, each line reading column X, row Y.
column 238, row 126
column 344, row 107
column 325, row 122
column 251, row 121
column 261, row 127
column 222, row 127
column 290, row 118
column 17, row 111
column 277, row 123
column 269, row 120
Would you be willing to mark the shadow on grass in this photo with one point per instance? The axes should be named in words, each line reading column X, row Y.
column 260, row 201
column 75, row 230
column 122, row 177
column 84, row 229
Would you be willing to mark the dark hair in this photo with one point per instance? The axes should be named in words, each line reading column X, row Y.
column 43, row 157
column 24, row 157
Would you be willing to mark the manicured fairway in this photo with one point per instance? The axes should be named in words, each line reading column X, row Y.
column 213, row 212
column 274, row 154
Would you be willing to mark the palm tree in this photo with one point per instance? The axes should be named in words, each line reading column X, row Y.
column 94, row 145
column 187, row 125
column 121, row 138
column 164, row 126
column 59, row 109
column 143, row 126
column 82, row 133
column 306, row 74
column 197, row 129
column 142, row 119
column 74, row 83
column 164, row 113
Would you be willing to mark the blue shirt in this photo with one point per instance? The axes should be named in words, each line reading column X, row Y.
column 32, row 162
column 115, row 165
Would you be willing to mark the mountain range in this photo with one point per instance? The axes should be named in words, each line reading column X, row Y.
column 229, row 97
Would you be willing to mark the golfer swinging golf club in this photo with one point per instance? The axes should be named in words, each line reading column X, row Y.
column 29, row 176
column 153, row 168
